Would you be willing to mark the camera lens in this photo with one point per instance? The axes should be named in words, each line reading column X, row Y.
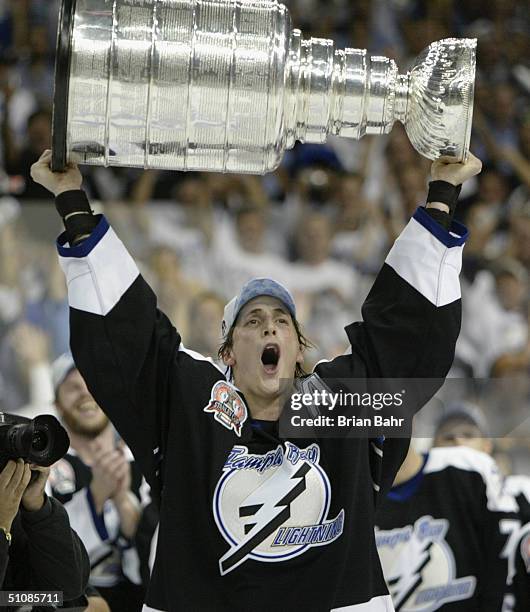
column 42, row 440
column 39, row 442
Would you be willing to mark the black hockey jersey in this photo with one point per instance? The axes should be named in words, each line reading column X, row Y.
column 248, row 520
column 438, row 534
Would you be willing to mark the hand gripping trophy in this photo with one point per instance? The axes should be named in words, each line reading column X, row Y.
column 228, row 86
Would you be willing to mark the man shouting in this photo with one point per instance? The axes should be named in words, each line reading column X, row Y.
column 231, row 489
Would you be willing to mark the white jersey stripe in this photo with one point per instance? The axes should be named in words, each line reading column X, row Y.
column 199, row 357
column 426, row 263
column 377, row 449
column 472, row 460
column 93, row 285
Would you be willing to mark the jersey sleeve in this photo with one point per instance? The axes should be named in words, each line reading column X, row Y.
column 411, row 321
column 122, row 344
column 412, row 315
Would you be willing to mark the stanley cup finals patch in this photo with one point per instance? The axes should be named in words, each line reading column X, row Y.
column 227, row 406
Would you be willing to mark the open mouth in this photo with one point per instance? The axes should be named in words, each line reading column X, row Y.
column 270, row 357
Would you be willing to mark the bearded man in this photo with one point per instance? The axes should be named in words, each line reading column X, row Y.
column 98, row 484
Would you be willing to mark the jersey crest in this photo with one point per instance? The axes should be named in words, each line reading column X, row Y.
column 419, row 566
column 227, row 406
column 273, row 507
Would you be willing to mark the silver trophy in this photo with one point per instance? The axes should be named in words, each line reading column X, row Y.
column 228, row 86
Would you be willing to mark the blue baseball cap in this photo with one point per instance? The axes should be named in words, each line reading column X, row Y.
column 254, row 288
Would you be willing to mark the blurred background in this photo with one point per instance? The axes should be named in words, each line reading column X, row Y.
column 321, row 224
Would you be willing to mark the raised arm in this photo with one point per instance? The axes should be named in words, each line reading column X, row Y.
column 122, row 344
column 411, row 317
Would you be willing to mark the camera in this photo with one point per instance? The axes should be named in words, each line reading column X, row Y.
column 42, row 440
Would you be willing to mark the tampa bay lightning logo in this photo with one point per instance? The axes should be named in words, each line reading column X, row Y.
column 419, row 566
column 273, row 507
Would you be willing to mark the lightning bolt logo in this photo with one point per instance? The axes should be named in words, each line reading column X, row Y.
column 264, row 510
column 419, row 566
column 405, row 577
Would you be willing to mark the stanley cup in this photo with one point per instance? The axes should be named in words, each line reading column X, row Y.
column 228, row 85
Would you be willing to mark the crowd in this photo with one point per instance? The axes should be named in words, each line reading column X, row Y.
column 321, row 224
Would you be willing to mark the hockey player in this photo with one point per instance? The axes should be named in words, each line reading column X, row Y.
column 229, row 485
column 464, row 425
column 438, row 532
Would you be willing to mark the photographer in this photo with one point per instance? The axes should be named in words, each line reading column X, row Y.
column 38, row 549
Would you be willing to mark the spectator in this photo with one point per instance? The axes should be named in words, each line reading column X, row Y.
column 494, row 316
column 99, row 485
column 16, row 105
column 188, row 227
column 206, row 310
column 315, row 271
column 36, row 69
column 240, row 252
column 519, row 245
column 360, row 236
column 24, row 358
column 39, row 135
column 175, row 291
